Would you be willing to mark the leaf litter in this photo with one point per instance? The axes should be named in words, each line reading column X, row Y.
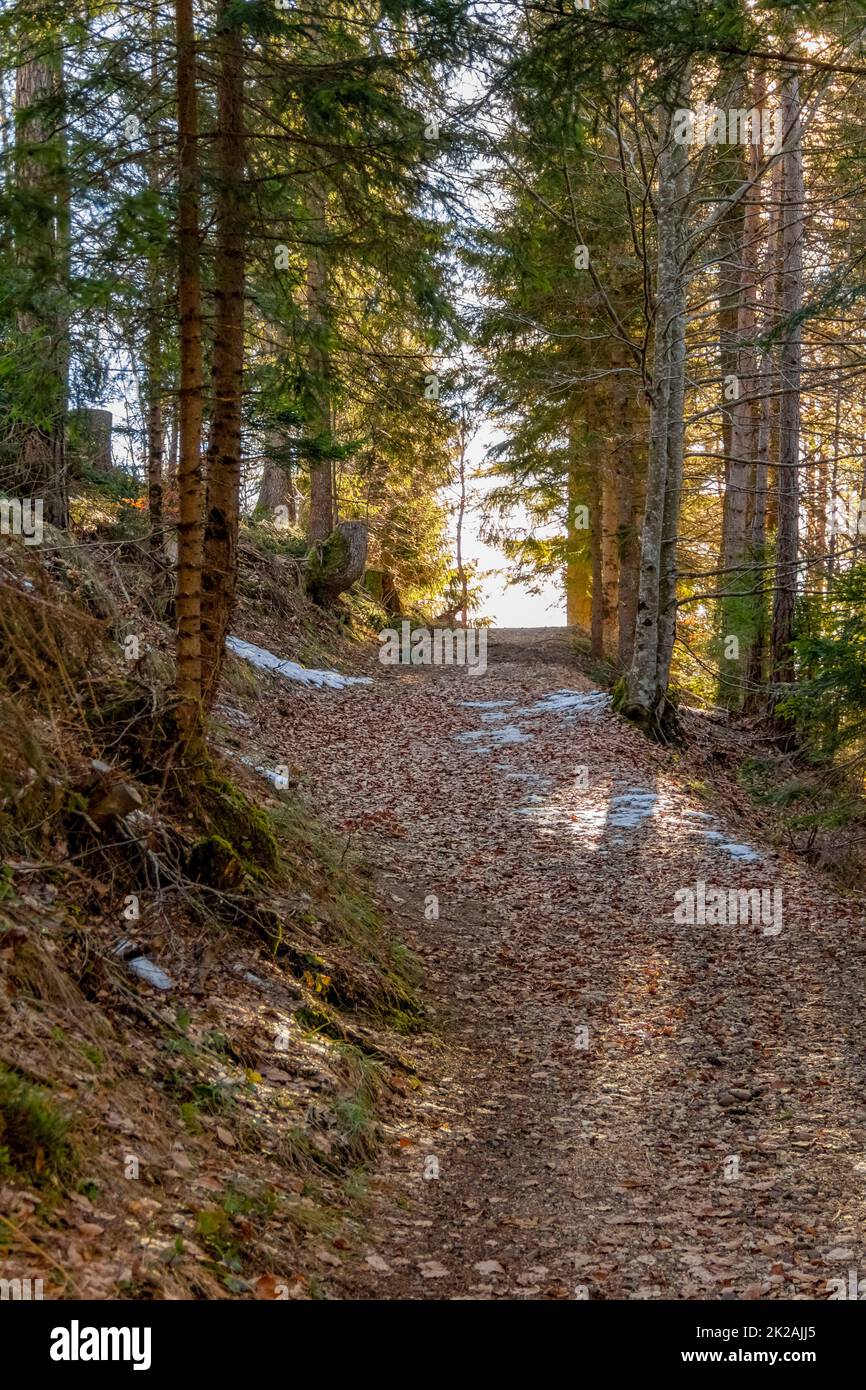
column 617, row 1103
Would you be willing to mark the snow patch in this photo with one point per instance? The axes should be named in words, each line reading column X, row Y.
column 266, row 661
column 628, row 809
column 521, row 776
column 146, row 970
column 736, row 851
column 268, row 773
column 496, row 738
column 719, row 838
column 570, row 702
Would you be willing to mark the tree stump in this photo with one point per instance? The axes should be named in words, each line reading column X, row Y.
column 336, row 563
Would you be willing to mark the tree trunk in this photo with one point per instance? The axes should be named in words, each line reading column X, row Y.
column 730, row 242
column 578, row 565
column 596, row 620
column 335, row 564
column 219, row 575
column 789, row 370
column 322, row 512
column 674, row 479
column 171, row 461
column 766, row 385
column 277, row 488
column 610, row 482
column 644, row 697
column 189, row 529
column 738, row 613
column 155, row 423
column 592, row 474
column 630, row 504
column 42, row 253
column 461, row 513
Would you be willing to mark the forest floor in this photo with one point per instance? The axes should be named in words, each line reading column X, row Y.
column 613, row 1105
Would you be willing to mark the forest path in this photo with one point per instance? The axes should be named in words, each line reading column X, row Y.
column 705, row 1136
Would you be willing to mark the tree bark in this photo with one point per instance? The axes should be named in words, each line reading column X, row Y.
column 738, row 613
column 222, row 510
column 277, row 489
column 189, row 472
column 578, row 565
column 610, row 500
column 461, row 513
column 596, row 621
column 155, row 423
column 644, row 697
column 789, row 371
column 630, row 499
column 42, row 252
column 322, row 511
column 766, row 384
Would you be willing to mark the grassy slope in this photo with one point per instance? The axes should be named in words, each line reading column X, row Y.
column 209, row 1140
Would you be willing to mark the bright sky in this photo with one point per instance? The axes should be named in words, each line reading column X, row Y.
column 509, row 605
column 513, row 605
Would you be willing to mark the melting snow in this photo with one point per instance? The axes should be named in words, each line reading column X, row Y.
column 719, row 838
column 522, row 776
column 629, row 808
column 496, row 738
column 730, row 846
column 267, row 772
column 596, row 820
column 626, row 810
column 151, row 973
column 266, row 661
column 570, row 702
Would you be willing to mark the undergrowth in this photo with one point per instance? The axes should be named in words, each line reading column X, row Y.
column 225, row 870
column 34, row 1132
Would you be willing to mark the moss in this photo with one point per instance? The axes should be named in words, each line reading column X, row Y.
column 617, row 694
column 272, row 539
column 404, row 1022
column 356, row 1111
column 34, row 1134
column 374, row 583
column 658, row 722
column 242, row 827
column 319, row 1021
column 212, row 860
column 325, row 563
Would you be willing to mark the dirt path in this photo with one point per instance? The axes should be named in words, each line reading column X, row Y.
column 617, row 1105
